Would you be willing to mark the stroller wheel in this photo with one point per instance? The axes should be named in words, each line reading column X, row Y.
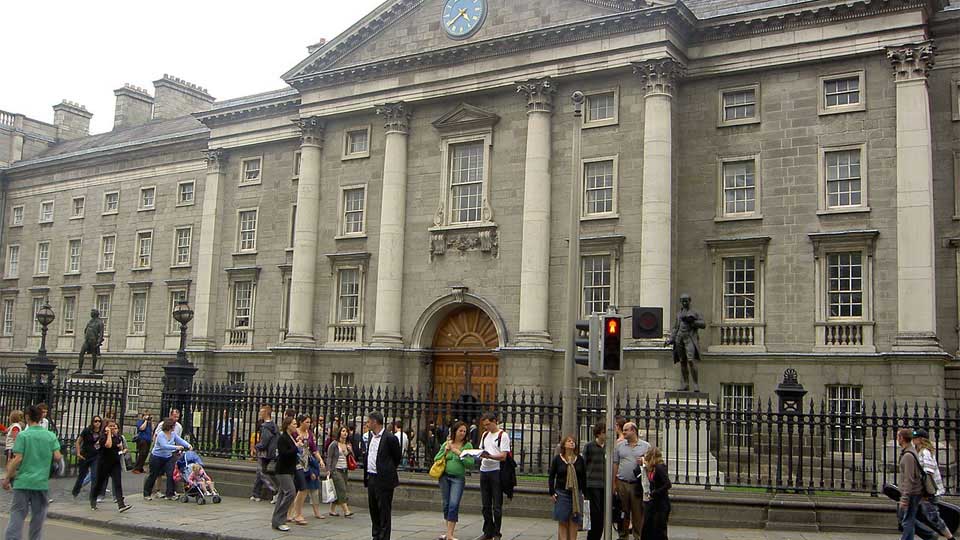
column 185, row 499
column 201, row 500
column 216, row 499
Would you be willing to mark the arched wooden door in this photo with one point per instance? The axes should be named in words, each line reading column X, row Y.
column 463, row 359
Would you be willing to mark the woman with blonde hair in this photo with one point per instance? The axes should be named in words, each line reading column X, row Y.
column 926, row 452
column 15, row 425
column 568, row 477
column 656, row 499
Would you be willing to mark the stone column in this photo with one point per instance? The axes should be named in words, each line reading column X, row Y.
column 535, row 258
column 208, row 254
column 916, row 292
column 306, row 235
column 387, row 331
column 659, row 78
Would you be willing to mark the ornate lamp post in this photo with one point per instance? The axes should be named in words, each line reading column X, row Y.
column 183, row 314
column 45, row 316
column 178, row 374
column 40, row 367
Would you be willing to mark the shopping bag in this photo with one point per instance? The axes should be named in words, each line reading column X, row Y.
column 586, row 516
column 328, row 493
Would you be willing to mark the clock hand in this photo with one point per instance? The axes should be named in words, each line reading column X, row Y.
column 463, row 13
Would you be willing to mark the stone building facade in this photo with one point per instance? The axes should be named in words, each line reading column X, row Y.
column 399, row 212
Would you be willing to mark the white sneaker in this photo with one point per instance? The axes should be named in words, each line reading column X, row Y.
column 255, row 499
column 273, row 500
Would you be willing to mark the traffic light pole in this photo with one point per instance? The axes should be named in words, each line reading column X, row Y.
column 568, row 421
column 608, row 450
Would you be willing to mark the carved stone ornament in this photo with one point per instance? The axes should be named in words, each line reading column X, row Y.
column 311, row 131
column 396, row 117
column 659, row 76
column 539, row 93
column 482, row 239
column 457, row 291
column 214, row 157
column 912, row 61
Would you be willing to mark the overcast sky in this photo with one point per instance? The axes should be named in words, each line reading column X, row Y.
column 82, row 51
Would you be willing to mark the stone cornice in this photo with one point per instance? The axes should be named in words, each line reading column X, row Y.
column 247, row 110
column 912, row 61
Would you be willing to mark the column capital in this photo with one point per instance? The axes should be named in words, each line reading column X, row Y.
column 311, row 131
column 659, row 75
column 539, row 93
column 911, row 61
column 396, row 117
column 214, row 157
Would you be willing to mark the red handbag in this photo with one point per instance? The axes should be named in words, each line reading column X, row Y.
column 351, row 463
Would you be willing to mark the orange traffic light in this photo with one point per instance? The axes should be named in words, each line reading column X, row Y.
column 613, row 327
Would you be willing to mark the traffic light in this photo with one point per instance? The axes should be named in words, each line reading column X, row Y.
column 611, row 348
column 647, row 323
column 587, row 341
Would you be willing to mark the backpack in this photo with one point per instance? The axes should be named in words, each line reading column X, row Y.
column 926, row 480
column 508, row 469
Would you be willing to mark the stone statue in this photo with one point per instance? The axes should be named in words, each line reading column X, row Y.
column 686, row 346
column 92, row 339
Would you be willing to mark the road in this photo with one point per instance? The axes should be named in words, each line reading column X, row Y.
column 64, row 530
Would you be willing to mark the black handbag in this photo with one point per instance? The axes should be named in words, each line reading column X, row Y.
column 127, row 458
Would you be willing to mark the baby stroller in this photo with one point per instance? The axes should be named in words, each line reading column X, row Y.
column 194, row 488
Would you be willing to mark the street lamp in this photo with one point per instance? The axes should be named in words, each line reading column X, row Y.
column 183, row 314
column 45, row 316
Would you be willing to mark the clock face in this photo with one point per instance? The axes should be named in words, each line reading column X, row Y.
column 462, row 18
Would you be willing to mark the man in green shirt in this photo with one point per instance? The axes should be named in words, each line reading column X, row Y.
column 28, row 471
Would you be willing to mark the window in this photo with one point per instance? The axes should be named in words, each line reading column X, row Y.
column 46, row 212
column 103, row 301
column 43, row 258
column 111, row 202
column 342, row 381
column 296, row 165
column 293, row 224
column 236, row 378
column 354, row 201
column 845, row 289
column 78, row 206
column 108, row 245
column 38, row 302
column 144, row 249
column 348, row 295
column 242, row 304
column 13, row 261
column 466, row 182
column 599, row 191
column 842, row 93
column 247, row 231
column 592, row 403
column 601, row 109
column 739, row 288
column 8, row 307
column 176, row 296
column 16, row 216
column 74, row 250
column 138, row 313
column 844, row 187
column 185, row 193
column 181, row 246
column 846, row 416
column 736, row 406
column 739, row 105
column 356, row 143
column 250, row 171
column 69, row 314
column 133, row 391
column 597, row 284
column 739, row 188
column 148, row 198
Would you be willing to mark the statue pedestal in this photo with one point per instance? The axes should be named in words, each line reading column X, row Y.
column 90, row 376
column 685, row 440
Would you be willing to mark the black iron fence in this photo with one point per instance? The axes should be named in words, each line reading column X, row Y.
column 822, row 447
column 72, row 403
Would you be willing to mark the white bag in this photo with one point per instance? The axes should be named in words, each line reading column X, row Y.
column 586, row 515
column 328, row 493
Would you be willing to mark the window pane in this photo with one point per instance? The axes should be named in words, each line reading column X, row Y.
column 349, row 295
column 845, row 284
column 601, row 107
column 466, row 182
column 69, row 314
column 598, row 185
column 251, row 171
column 144, row 249
column 846, row 416
column 739, row 187
column 739, row 287
column 183, row 246
column 8, row 307
column 739, row 104
column 103, row 306
column 248, row 230
column 357, row 142
column 139, row 315
column 242, row 304
column 597, row 280
column 353, row 204
column 185, row 193
column 844, row 91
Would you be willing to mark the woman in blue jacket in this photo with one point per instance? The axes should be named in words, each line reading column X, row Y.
column 163, row 458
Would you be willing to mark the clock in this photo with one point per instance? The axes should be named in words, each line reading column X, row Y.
column 462, row 18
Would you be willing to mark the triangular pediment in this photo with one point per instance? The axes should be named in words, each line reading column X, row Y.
column 407, row 27
column 465, row 117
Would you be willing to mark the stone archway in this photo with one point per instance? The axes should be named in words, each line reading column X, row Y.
column 464, row 355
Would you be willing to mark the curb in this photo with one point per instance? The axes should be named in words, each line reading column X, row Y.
column 148, row 530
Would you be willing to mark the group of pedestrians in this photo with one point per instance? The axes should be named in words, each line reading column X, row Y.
column 921, row 485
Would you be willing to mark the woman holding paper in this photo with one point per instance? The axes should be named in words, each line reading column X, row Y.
column 457, row 452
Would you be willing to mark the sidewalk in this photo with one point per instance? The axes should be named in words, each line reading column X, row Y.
column 241, row 519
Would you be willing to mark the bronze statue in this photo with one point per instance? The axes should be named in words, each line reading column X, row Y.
column 92, row 339
column 686, row 346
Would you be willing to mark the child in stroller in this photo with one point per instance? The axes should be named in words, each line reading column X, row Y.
column 197, row 483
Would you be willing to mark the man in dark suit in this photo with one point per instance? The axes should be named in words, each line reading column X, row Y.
column 383, row 456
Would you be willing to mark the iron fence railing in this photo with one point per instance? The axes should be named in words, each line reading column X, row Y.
column 816, row 449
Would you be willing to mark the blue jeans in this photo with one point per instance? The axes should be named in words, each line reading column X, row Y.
column 451, row 491
column 908, row 517
column 26, row 501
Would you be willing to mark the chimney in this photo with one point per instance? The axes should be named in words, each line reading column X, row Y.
column 72, row 120
column 134, row 106
column 176, row 97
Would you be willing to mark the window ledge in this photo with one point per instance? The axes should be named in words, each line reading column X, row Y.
column 739, row 122
column 142, row 269
column 75, row 217
column 346, row 237
column 359, row 155
column 49, row 222
column 851, row 210
column 600, row 123
column 751, row 217
column 295, row 178
column 184, row 204
column 464, row 226
column 289, row 250
column 11, row 277
column 110, row 213
column 243, row 253
column 179, row 266
column 245, row 184
column 41, row 276
column 600, row 217
column 106, row 271
column 71, row 273
column 151, row 209
column 16, row 225
column 842, row 109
